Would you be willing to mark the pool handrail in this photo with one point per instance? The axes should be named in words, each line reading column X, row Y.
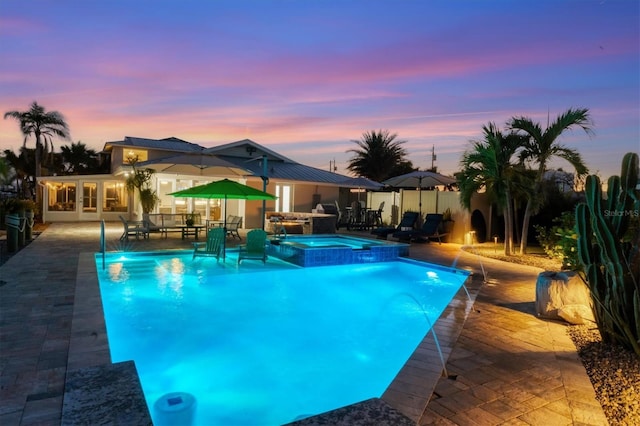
column 278, row 228
column 103, row 244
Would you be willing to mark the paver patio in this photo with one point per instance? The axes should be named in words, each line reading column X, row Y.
column 507, row 366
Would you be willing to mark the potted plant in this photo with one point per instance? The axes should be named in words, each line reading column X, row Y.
column 447, row 221
column 190, row 219
column 148, row 200
column 11, row 208
column 141, row 180
column 27, row 209
column 446, row 215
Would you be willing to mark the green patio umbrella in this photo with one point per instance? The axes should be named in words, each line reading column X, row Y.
column 224, row 189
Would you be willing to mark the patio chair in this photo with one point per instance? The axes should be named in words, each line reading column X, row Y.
column 340, row 221
column 430, row 229
column 133, row 227
column 213, row 247
column 256, row 246
column 153, row 222
column 407, row 223
column 357, row 220
column 377, row 215
column 233, row 224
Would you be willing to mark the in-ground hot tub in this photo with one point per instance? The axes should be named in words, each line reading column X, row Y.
column 334, row 249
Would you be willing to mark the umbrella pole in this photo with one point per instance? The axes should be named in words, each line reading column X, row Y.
column 420, row 199
column 420, row 205
column 265, row 179
column 224, row 239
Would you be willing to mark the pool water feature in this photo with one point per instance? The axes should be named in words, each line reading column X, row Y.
column 267, row 344
column 334, row 249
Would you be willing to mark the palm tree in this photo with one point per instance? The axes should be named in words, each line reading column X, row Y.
column 78, row 159
column 541, row 146
column 43, row 126
column 489, row 165
column 379, row 156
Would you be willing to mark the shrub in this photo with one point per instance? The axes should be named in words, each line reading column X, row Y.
column 561, row 240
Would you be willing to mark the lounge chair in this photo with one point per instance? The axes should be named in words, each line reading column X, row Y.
column 133, row 227
column 256, row 246
column 430, row 229
column 214, row 247
column 407, row 223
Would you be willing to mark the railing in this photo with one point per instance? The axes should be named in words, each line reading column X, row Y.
column 103, row 244
column 279, row 231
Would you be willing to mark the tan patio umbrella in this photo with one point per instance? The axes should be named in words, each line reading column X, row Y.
column 361, row 182
column 224, row 189
column 420, row 179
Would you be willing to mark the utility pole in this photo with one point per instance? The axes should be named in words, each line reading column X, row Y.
column 433, row 158
column 332, row 166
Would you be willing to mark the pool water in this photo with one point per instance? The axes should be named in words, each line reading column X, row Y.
column 265, row 345
column 333, row 249
column 312, row 241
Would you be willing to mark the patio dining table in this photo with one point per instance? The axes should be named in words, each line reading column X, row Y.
column 190, row 230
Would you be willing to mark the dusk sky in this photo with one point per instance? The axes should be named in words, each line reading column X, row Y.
column 305, row 78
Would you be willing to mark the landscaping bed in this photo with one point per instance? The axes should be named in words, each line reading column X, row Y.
column 613, row 370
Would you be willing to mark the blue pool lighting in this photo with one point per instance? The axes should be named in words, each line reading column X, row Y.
column 266, row 344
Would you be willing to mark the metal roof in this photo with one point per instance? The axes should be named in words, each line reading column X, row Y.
column 249, row 155
column 167, row 144
column 290, row 171
column 246, row 154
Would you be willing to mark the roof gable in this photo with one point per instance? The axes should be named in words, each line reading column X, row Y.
column 248, row 149
column 166, row 144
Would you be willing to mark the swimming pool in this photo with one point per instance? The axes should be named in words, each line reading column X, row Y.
column 267, row 345
column 330, row 240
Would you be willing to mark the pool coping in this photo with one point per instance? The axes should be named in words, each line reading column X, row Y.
column 409, row 392
column 95, row 388
column 295, row 250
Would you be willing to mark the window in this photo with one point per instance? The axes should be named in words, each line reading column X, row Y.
column 114, row 197
column 182, row 204
column 136, row 155
column 200, row 204
column 89, row 197
column 62, row 196
column 283, row 202
column 165, row 201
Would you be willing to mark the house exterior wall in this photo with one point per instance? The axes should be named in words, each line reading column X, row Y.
column 307, row 196
column 304, row 195
column 75, row 209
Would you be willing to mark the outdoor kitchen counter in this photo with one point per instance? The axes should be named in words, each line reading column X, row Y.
column 301, row 222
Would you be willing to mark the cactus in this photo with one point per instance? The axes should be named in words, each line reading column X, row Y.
column 609, row 250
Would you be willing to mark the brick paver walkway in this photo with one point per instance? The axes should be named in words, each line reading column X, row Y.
column 507, row 367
